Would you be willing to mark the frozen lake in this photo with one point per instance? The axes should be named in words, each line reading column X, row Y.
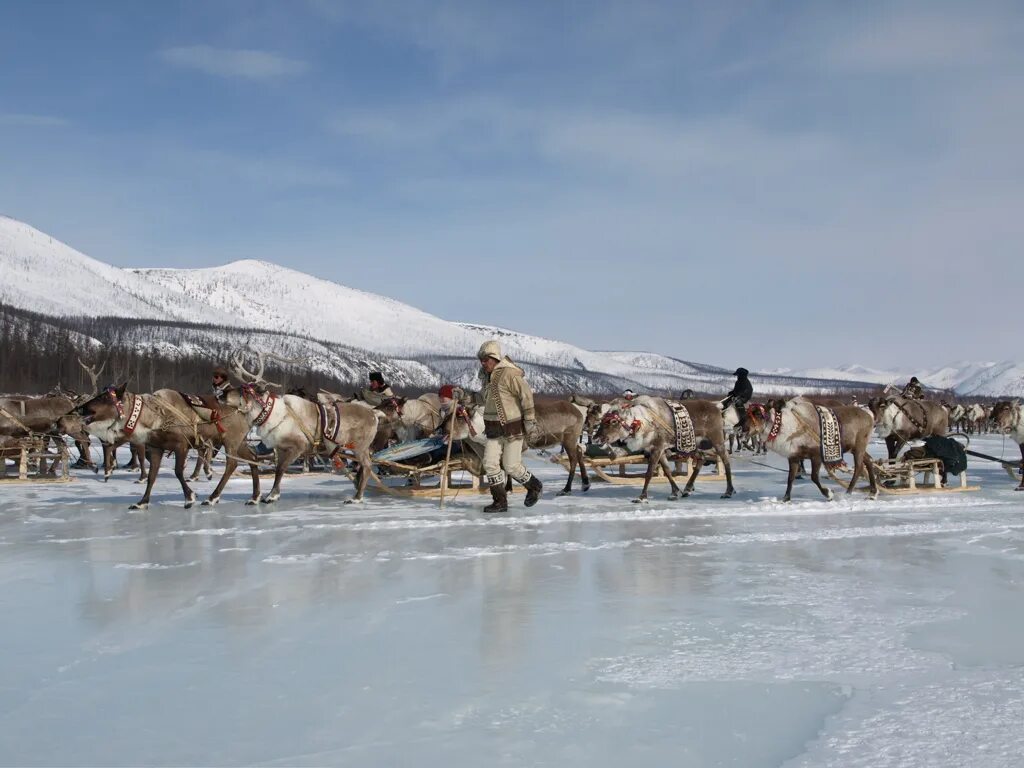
column 587, row 631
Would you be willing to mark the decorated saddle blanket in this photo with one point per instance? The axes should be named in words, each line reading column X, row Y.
column 831, row 436
column 686, row 439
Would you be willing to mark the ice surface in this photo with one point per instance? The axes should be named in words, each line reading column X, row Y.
column 585, row 631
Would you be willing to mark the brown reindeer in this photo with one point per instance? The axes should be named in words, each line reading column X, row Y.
column 558, row 424
column 900, row 420
column 1008, row 418
column 137, row 452
column 793, row 431
column 166, row 421
column 646, row 424
column 294, row 426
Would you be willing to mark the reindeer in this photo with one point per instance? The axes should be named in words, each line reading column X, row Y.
column 958, row 417
column 414, row 419
column 1008, row 418
column 645, row 424
column 294, row 426
column 977, row 417
column 166, row 421
column 792, row 430
column 138, row 452
column 558, row 423
column 900, row 420
column 750, row 437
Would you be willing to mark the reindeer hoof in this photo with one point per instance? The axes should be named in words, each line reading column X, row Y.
column 211, row 502
column 586, row 487
column 252, row 502
column 786, row 499
column 564, row 493
column 673, row 497
column 685, row 494
column 1019, row 488
column 727, row 495
column 640, row 500
column 830, row 495
column 140, row 505
column 188, row 504
column 353, row 501
column 268, row 500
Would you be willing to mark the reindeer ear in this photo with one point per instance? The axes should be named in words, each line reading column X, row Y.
column 120, row 390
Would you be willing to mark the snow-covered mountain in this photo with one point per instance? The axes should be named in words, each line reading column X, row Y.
column 309, row 317
column 44, row 275
column 987, row 379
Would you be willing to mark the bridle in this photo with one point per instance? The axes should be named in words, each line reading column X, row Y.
column 249, row 392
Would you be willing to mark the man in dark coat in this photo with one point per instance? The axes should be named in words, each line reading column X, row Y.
column 740, row 395
column 913, row 390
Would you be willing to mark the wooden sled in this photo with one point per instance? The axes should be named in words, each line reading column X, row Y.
column 417, row 481
column 32, row 450
column 614, row 469
column 899, row 477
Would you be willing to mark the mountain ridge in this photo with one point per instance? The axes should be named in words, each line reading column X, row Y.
column 256, row 296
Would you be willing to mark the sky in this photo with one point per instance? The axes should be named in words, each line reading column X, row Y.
column 742, row 183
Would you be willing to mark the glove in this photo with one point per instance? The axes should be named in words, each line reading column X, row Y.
column 531, row 428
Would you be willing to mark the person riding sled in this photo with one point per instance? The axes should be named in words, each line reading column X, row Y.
column 913, row 390
column 509, row 417
column 377, row 392
column 740, row 395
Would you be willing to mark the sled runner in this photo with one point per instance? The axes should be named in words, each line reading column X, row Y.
column 615, row 469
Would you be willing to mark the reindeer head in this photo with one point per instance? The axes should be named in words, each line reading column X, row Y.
column 1004, row 414
column 107, row 405
column 615, row 427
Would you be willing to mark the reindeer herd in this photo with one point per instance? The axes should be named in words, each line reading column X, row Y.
column 345, row 432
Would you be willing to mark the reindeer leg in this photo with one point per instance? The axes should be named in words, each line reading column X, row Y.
column 793, row 464
column 816, row 477
column 568, row 445
column 364, row 460
column 139, row 455
column 155, row 457
column 583, row 468
column 229, row 468
column 729, row 490
column 285, row 456
column 697, row 462
column 666, row 467
column 652, row 461
column 870, row 467
column 180, row 460
column 858, row 466
column 199, row 461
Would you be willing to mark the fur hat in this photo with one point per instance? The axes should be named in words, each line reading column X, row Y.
column 218, row 371
column 913, row 380
column 447, row 392
column 377, row 376
column 489, row 349
column 741, row 372
column 629, row 394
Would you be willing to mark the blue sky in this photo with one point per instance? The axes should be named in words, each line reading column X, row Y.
column 757, row 183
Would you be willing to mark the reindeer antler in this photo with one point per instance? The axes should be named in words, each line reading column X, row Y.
column 92, row 373
column 246, row 375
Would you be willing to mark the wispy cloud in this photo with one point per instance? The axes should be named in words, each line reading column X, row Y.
column 233, row 62
column 32, row 121
column 922, row 40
